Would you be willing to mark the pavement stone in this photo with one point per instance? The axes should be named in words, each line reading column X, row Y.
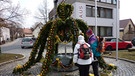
column 124, row 69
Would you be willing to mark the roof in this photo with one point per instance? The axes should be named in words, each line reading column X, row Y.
column 123, row 23
column 38, row 25
column 27, row 30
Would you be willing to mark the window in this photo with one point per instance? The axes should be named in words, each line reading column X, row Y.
column 103, row 0
column 104, row 12
column 93, row 12
column 109, row 31
column 114, row 1
column 103, row 31
column 108, row 1
column 90, row 11
column 108, row 13
column 130, row 29
column 56, row 16
column 101, row 12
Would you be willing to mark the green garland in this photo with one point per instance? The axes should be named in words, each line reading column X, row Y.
column 64, row 28
column 64, row 10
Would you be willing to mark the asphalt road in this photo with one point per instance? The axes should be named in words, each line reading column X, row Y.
column 11, row 45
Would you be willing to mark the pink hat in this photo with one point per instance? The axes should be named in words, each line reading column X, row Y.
column 89, row 32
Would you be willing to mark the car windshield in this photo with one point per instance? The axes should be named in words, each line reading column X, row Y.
column 26, row 40
column 112, row 40
column 107, row 39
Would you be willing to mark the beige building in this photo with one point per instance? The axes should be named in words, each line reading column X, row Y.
column 27, row 32
column 127, row 29
column 4, row 34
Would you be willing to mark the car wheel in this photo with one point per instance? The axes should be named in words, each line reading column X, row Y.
column 128, row 46
column 109, row 48
column 22, row 47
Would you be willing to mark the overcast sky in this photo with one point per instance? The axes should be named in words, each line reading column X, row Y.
column 32, row 7
column 126, row 9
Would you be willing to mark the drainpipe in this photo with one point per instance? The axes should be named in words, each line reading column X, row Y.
column 0, row 40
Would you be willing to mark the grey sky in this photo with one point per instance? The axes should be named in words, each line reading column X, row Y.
column 126, row 9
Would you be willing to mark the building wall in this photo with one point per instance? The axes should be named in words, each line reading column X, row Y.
column 80, row 13
column 36, row 31
column 128, row 34
column 126, row 29
column 5, row 34
column 121, row 34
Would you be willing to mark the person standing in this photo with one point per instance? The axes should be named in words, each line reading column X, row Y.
column 82, row 64
column 92, row 40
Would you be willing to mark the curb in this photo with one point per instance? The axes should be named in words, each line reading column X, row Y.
column 1, row 64
column 132, row 61
column 10, row 42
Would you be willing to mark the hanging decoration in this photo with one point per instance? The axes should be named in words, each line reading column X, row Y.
column 64, row 29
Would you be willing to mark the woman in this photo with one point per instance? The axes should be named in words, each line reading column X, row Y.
column 82, row 64
column 92, row 40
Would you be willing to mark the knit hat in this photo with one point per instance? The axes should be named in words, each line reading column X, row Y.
column 89, row 32
column 81, row 39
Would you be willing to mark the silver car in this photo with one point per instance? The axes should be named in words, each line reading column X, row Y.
column 27, row 42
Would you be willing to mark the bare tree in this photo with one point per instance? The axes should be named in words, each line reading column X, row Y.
column 43, row 12
column 10, row 14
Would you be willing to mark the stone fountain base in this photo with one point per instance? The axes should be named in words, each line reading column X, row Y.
column 63, row 62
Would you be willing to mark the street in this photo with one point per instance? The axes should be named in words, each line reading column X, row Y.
column 14, row 47
column 125, row 68
column 11, row 45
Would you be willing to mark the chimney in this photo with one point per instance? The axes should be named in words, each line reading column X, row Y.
column 55, row 3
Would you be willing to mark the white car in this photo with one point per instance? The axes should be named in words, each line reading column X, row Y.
column 27, row 42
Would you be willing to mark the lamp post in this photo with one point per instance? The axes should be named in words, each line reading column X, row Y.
column 96, row 17
column 117, row 29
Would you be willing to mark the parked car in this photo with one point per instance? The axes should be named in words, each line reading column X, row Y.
column 27, row 42
column 110, row 44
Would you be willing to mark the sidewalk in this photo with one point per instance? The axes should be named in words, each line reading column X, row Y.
column 10, row 42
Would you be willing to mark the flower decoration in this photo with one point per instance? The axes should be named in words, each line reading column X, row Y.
column 61, row 30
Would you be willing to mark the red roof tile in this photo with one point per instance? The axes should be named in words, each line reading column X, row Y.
column 27, row 30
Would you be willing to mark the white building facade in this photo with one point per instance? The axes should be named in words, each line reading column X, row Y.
column 106, row 15
column 5, row 34
column 37, row 29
